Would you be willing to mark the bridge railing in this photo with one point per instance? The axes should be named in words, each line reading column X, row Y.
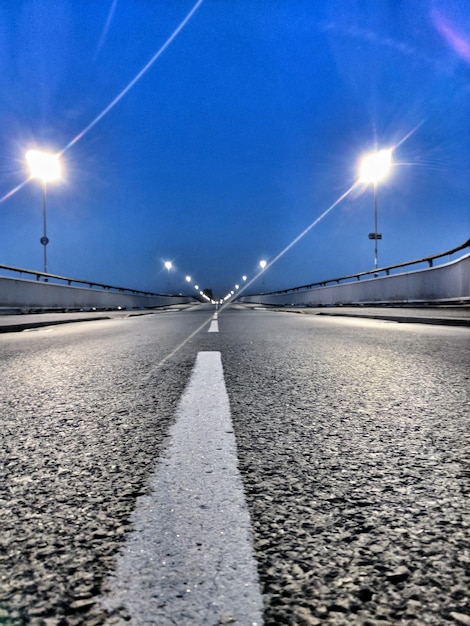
column 446, row 282
column 56, row 278
column 376, row 272
column 32, row 289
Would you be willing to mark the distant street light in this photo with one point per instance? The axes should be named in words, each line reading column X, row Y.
column 244, row 278
column 374, row 168
column 46, row 167
column 262, row 265
column 188, row 279
column 168, row 265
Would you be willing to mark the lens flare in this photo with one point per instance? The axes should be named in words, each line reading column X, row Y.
column 454, row 37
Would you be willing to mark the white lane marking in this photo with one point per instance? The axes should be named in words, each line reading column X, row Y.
column 189, row 558
column 214, row 327
column 215, row 316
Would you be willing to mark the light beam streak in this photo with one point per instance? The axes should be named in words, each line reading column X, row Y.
column 12, row 192
column 136, row 78
column 298, row 238
column 408, row 135
column 106, row 27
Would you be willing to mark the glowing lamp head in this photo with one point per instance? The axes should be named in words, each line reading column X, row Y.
column 43, row 165
column 262, row 264
column 168, row 265
column 375, row 166
column 188, row 279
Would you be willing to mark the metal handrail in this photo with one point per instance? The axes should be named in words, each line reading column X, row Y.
column 70, row 281
column 375, row 272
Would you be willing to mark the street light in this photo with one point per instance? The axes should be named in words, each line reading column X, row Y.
column 46, row 167
column 262, row 265
column 168, row 265
column 374, row 168
column 188, row 279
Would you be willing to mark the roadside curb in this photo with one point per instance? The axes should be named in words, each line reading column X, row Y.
column 31, row 325
column 16, row 328
column 401, row 319
column 406, row 319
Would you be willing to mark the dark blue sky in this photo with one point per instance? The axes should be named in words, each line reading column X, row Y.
column 245, row 130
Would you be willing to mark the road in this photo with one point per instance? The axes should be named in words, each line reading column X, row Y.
column 352, row 443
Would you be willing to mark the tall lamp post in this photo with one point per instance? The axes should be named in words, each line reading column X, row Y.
column 168, row 265
column 46, row 167
column 373, row 168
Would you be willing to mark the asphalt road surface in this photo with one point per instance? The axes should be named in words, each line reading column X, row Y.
column 343, row 448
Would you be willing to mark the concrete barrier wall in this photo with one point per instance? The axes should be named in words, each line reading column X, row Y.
column 446, row 283
column 16, row 293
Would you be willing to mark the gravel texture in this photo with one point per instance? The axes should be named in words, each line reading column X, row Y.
column 80, row 434
column 354, row 447
column 353, row 443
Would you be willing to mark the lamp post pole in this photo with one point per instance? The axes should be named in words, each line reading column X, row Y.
column 44, row 239
column 376, row 237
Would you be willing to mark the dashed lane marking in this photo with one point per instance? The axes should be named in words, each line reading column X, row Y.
column 189, row 559
column 214, row 327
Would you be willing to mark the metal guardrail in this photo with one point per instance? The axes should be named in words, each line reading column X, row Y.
column 375, row 272
column 71, row 281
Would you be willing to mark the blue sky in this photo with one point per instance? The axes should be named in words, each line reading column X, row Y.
column 246, row 129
